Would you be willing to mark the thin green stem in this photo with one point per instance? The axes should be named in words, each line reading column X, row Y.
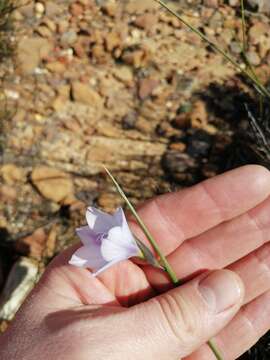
column 245, row 45
column 244, row 27
column 215, row 350
column 261, row 104
column 244, row 49
column 259, row 87
column 163, row 261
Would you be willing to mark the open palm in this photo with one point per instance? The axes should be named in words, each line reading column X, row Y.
column 221, row 223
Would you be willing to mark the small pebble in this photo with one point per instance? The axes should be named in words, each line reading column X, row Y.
column 39, row 9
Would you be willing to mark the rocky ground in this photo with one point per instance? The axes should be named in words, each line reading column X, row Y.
column 119, row 83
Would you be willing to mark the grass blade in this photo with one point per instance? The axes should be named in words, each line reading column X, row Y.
column 162, row 258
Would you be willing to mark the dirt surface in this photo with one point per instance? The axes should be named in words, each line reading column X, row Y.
column 122, row 84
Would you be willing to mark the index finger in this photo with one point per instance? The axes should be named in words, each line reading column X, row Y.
column 175, row 217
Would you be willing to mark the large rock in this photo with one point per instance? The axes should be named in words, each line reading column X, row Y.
column 53, row 184
column 20, row 282
column 116, row 153
column 12, row 174
column 83, row 93
column 31, row 51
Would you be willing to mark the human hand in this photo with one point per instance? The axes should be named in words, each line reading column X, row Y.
column 222, row 223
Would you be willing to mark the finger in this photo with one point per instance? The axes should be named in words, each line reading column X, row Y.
column 65, row 284
column 128, row 283
column 254, row 271
column 175, row 217
column 248, row 326
column 182, row 319
column 124, row 284
column 220, row 246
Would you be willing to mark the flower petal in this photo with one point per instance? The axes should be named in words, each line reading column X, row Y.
column 120, row 218
column 125, row 227
column 117, row 247
column 88, row 257
column 99, row 221
column 87, row 235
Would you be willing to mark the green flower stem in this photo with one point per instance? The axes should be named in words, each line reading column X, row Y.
column 258, row 85
column 215, row 350
column 162, row 259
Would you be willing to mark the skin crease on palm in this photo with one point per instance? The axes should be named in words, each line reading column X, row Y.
column 131, row 312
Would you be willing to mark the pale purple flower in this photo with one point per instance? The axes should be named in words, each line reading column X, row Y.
column 106, row 240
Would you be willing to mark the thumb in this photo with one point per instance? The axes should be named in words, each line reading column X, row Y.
column 176, row 323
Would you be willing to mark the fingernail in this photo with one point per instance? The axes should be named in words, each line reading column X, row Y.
column 221, row 290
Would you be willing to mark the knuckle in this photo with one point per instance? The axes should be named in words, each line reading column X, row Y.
column 180, row 318
column 262, row 256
